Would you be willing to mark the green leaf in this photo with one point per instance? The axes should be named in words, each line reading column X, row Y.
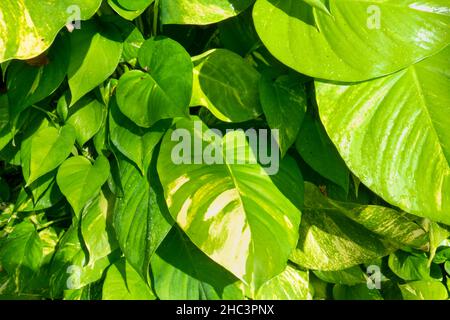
column 96, row 52
column 86, row 116
column 28, row 84
column 447, row 268
column 4, row 113
column 132, row 38
column 291, row 284
column 437, row 234
column 319, row 153
column 393, row 134
column 122, row 282
column 30, row 27
column 46, row 150
column 135, row 4
column 21, row 254
column 289, row 181
column 96, row 227
column 200, row 11
column 442, row 255
column 123, row 12
column 140, row 221
column 238, row 34
column 50, row 197
column 69, row 269
column 337, row 235
column 319, row 5
column 357, row 292
column 40, row 186
column 165, row 91
column 412, row 267
column 136, row 143
column 182, row 272
column 80, row 181
column 284, row 103
column 424, row 290
column 346, row 45
column 350, row 277
column 227, row 85
column 231, row 211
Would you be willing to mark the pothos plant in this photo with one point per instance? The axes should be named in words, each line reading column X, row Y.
column 94, row 207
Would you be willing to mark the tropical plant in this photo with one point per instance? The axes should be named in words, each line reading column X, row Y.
column 93, row 205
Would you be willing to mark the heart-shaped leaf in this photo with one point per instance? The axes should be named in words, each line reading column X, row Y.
column 360, row 40
column 231, row 211
column 46, row 150
column 96, row 52
column 393, row 134
column 227, row 85
column 165, row 91
column 86, row 116
column 80, row 181
column 29, row 27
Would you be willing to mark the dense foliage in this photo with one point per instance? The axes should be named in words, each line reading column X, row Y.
column 93, row 205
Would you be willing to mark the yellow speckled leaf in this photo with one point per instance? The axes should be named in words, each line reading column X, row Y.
column 28, row 27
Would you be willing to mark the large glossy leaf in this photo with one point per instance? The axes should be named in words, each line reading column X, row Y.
column 360, row 40
column 165, row 91
column 29, row 27
column 227, row 85
column 284, row 103
column 96, row 52
column 46, row 150
column 291, row 284
column 233, row 212
column 200, row 11
column 336, row 235
column 122, row 282
column 393, row 134
column 182, row 272
column 140, row 222
column 79, row 180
